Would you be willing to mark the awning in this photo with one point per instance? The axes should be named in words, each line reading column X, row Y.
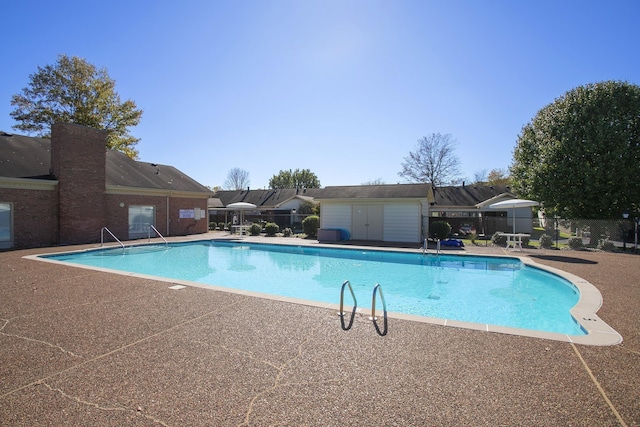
column 514, row 204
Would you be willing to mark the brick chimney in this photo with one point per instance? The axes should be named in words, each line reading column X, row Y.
column 78, row 161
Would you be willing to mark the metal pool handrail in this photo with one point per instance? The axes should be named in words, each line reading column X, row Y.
column 158, row 233
column 378, row 290
column 112, row 235
column 341, row 313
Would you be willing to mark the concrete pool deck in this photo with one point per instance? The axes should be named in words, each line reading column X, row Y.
column 82, row 347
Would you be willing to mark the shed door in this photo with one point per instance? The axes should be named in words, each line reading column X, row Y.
column 367, row 222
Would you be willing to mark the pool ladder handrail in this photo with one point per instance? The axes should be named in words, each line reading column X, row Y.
column 377, row 289
column 341, row 313
column 158, row 233
column 112, row 235
column 425, row 249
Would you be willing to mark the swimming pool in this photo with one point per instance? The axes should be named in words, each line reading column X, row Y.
column 500, row 291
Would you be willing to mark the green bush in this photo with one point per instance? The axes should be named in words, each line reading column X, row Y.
column 221, row 225
column 287, row 232
column 439, row 230
column 255, row 229
column 499, row 239
column 212, row 226
column 309, row 208
column 310, row 225
column 545, row 241
column 576, row 243
column 271, row 228
column 606, row 245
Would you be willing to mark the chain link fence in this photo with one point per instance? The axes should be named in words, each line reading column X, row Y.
column 563, row 233
column 223, row 220
column 591, row 233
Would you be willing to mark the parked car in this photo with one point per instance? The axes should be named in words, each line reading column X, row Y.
column 466, row 229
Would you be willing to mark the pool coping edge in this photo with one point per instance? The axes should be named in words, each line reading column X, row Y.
column 599, row 333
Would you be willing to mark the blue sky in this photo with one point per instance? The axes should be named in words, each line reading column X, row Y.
column 344, row 88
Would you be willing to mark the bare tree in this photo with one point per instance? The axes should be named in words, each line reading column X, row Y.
column 480, row 177
column 433, row 161
column 237, row 179
column 377, row 181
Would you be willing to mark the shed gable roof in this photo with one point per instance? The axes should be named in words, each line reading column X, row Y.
column 387, row 191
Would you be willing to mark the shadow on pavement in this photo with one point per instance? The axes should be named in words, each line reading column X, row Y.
column 566, row 259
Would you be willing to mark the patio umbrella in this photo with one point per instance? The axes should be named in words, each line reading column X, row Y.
column 513, row 204
column 241, row 206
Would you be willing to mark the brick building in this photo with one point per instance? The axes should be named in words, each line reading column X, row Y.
column 65, row 190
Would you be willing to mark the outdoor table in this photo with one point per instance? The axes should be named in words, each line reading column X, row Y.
column 240, row 229
column 514, row 239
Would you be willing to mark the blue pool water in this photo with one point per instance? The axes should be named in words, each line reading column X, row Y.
column 497, row 291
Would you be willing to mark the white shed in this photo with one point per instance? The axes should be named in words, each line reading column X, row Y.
column 386, row 213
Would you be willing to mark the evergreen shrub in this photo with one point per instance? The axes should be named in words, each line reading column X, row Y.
column 439, row 230
column 606, row 245
column 271, row 228
column 499, row 239
column 545, row 241
column 576, row 243
column 255, row 229
column 310, row 225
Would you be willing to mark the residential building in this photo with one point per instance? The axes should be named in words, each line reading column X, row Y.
column 67, row 189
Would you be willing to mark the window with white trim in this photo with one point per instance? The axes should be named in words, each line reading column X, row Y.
column 140, row 218
column 6, row 222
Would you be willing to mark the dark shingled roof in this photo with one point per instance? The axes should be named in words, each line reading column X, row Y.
column 125, row 172
column 29, row 157
column 24, row 157
column 388, row 191
column 266, row 198
column 467, row 195
column 464, row 196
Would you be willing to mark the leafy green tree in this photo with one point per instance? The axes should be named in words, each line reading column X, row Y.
column 498, row 177
column 283, row 179
column 493, row 177
column 308, row 207
column 434, row 161
column 580, row 155
column 300, row 178
column 74, row 91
